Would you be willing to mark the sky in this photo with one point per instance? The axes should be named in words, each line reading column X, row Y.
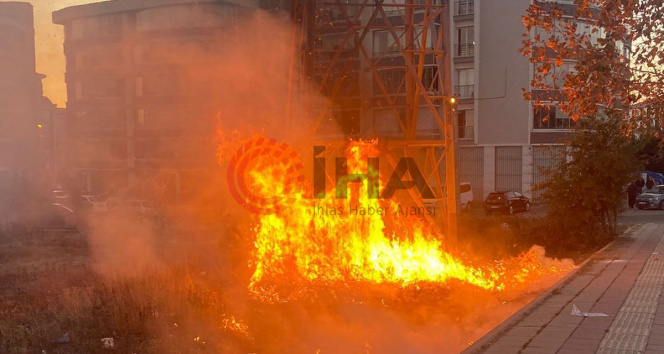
column 49, row 39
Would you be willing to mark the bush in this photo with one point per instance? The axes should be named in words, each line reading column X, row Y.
column 585, row 191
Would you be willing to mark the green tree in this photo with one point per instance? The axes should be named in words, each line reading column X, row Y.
column 586, row 191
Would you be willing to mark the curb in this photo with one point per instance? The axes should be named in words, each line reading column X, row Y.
column 485, row 341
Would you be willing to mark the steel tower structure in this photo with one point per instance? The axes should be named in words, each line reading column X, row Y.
column 388, row 56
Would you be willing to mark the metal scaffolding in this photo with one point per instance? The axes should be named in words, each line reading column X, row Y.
column 385, row 72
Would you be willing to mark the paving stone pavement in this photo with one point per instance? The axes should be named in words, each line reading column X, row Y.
column 625, row 281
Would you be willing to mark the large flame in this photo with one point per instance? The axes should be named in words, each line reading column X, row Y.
column 331, row 240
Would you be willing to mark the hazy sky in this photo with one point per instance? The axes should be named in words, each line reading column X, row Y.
column 48, row 41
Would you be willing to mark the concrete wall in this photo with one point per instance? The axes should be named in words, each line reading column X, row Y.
column 502, row 115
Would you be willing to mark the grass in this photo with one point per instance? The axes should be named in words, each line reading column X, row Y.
column 47, row 291
column 194, row 299
column 500, row 236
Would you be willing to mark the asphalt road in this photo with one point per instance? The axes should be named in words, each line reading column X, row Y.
column 628, row 217
column 636, row 216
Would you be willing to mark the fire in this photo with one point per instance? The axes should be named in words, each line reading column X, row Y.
column 234, row 325
column 361, row 240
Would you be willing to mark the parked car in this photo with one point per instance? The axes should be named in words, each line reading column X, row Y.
column 506, row 201
column 465, row 197
column 652, row 199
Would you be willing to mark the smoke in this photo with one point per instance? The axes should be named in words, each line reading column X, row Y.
column 231, row 87
column 122, row 246
column 226, row 88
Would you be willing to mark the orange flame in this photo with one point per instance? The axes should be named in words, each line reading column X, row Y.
column 330, row 240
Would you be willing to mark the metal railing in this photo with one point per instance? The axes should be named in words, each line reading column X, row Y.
column 464, row 91
column 465, row 50
column 464, row 7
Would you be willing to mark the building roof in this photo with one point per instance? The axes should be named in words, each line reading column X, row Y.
column 116, row 6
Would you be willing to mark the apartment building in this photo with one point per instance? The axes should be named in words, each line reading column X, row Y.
column 504, row 140
column 22, row 106
column 137, row 117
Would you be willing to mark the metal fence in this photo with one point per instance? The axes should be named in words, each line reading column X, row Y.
column 465, row 50
column 509, row 167
column 544, row 159
column 464, row 91
column 471, row 169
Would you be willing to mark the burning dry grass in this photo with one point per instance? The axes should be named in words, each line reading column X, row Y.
column 304, row 248
column 199, row 303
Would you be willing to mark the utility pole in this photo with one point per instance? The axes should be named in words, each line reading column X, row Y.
column 451, row 173
column 449, row 105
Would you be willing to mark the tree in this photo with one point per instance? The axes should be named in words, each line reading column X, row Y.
column 596, row 59
column 585, row 192
column 615, row 46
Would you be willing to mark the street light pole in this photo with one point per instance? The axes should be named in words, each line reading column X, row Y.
column 451, row 173
column 449, row 105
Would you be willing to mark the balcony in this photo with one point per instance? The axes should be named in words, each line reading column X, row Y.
column 464, row 91
column 464, row 7
column 464, row 50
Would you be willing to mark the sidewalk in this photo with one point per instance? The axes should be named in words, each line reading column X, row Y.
column 625, row 281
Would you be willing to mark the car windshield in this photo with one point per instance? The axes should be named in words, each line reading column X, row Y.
column 656, row 190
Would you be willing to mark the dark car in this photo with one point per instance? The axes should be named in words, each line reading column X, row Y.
column 653, row 198
column 506, row 201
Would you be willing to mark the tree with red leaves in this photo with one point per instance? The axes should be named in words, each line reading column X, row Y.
column 596, row 55
column 596, row 59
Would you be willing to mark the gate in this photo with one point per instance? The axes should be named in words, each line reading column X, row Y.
column 508, row 167
column 471, row 169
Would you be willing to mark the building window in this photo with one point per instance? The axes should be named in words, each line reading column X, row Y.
column 392, row 79
column 464, row 7
column 99, row 88
column 555, row 76
column 548, row 116
column 158, row 85
column 162, row 117
column 140, row 116
column 99, row 119
column 465, row 120
column 386, row 122
column 426, row 123
column 334, row 42
column 430, row 78
column 101, row 150
column 186, row 16
column 465, row 39
column 78, row 90
column 94, row 57
column 465, row 83
column 384, row 43
column 100, row 26
column 334, row 13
